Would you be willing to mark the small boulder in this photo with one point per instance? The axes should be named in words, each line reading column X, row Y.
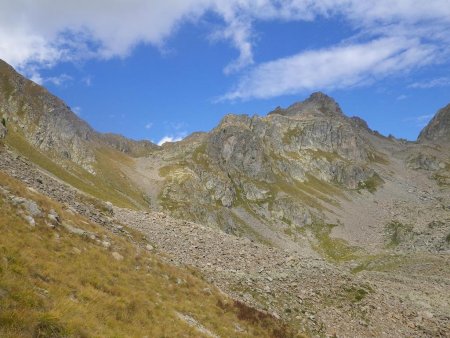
column 3, row 131
column 109, row 208
column 54, row 217
column 30, row 220
column 30, row 206
column 117, row 256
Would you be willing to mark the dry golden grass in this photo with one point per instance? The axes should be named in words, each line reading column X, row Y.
column 57, row 284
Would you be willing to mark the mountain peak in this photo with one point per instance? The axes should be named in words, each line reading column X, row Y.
column 320, row 97
column 438, row 129
column 317, row 103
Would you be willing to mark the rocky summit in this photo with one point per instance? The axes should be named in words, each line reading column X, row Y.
column 300, row 223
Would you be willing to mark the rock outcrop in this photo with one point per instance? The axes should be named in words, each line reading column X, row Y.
column 45, row 121
column 127, row 146
column 272, row 170
column 318, row 104
column 438, row 129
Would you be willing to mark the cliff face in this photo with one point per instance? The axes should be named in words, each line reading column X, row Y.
column 45, row 121
column 287, row 141
column 438, row 129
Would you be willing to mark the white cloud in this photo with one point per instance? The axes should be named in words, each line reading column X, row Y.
column 420, row 121
column 166, row 139
column 87, row 80
column 77, row 110
column 149, row 125
column 41, row 33
column 439, row 82
column 175, row 131
column 58, row 80
column 45, row 32
column 419, row 118
column 402, row 97
column 336, row 67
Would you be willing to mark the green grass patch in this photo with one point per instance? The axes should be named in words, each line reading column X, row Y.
column 356, row 294
column 371, row 184
column 397, row 232
column 291, row 134
column 200, row 157
column 333, row 249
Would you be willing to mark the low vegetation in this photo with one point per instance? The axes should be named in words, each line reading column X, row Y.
column 371, row 184
column 57, row 284
column 108, row 185
column 397, row 232
column 291, row 134
column 333, row 249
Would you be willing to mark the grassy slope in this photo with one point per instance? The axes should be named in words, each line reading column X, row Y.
column 53, row 284
column 108, row 185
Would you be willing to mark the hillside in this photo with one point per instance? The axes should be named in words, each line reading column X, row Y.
column 62, row 275
column 43, row 128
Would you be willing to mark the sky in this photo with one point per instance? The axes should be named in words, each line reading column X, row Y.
column 162, row 69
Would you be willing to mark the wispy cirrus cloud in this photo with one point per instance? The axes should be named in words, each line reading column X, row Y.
column 336, row 67
column 59, row 80
column 420, row 120
column 438, row 82
column 77, row 110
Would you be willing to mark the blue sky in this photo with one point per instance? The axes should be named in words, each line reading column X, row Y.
column 161, row 70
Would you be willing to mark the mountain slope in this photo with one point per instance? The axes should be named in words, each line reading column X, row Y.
column 438, row 129
column 64, row 276
column 267, row 176
column 42, row 127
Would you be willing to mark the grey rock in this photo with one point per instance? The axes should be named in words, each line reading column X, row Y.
column 438, row 129
column 54, row 217
column 425, row 162
column 3, row 131
column 109, row 207
column 117, row 256
column 30, row 220
column 29, row 205
column 74, row 230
